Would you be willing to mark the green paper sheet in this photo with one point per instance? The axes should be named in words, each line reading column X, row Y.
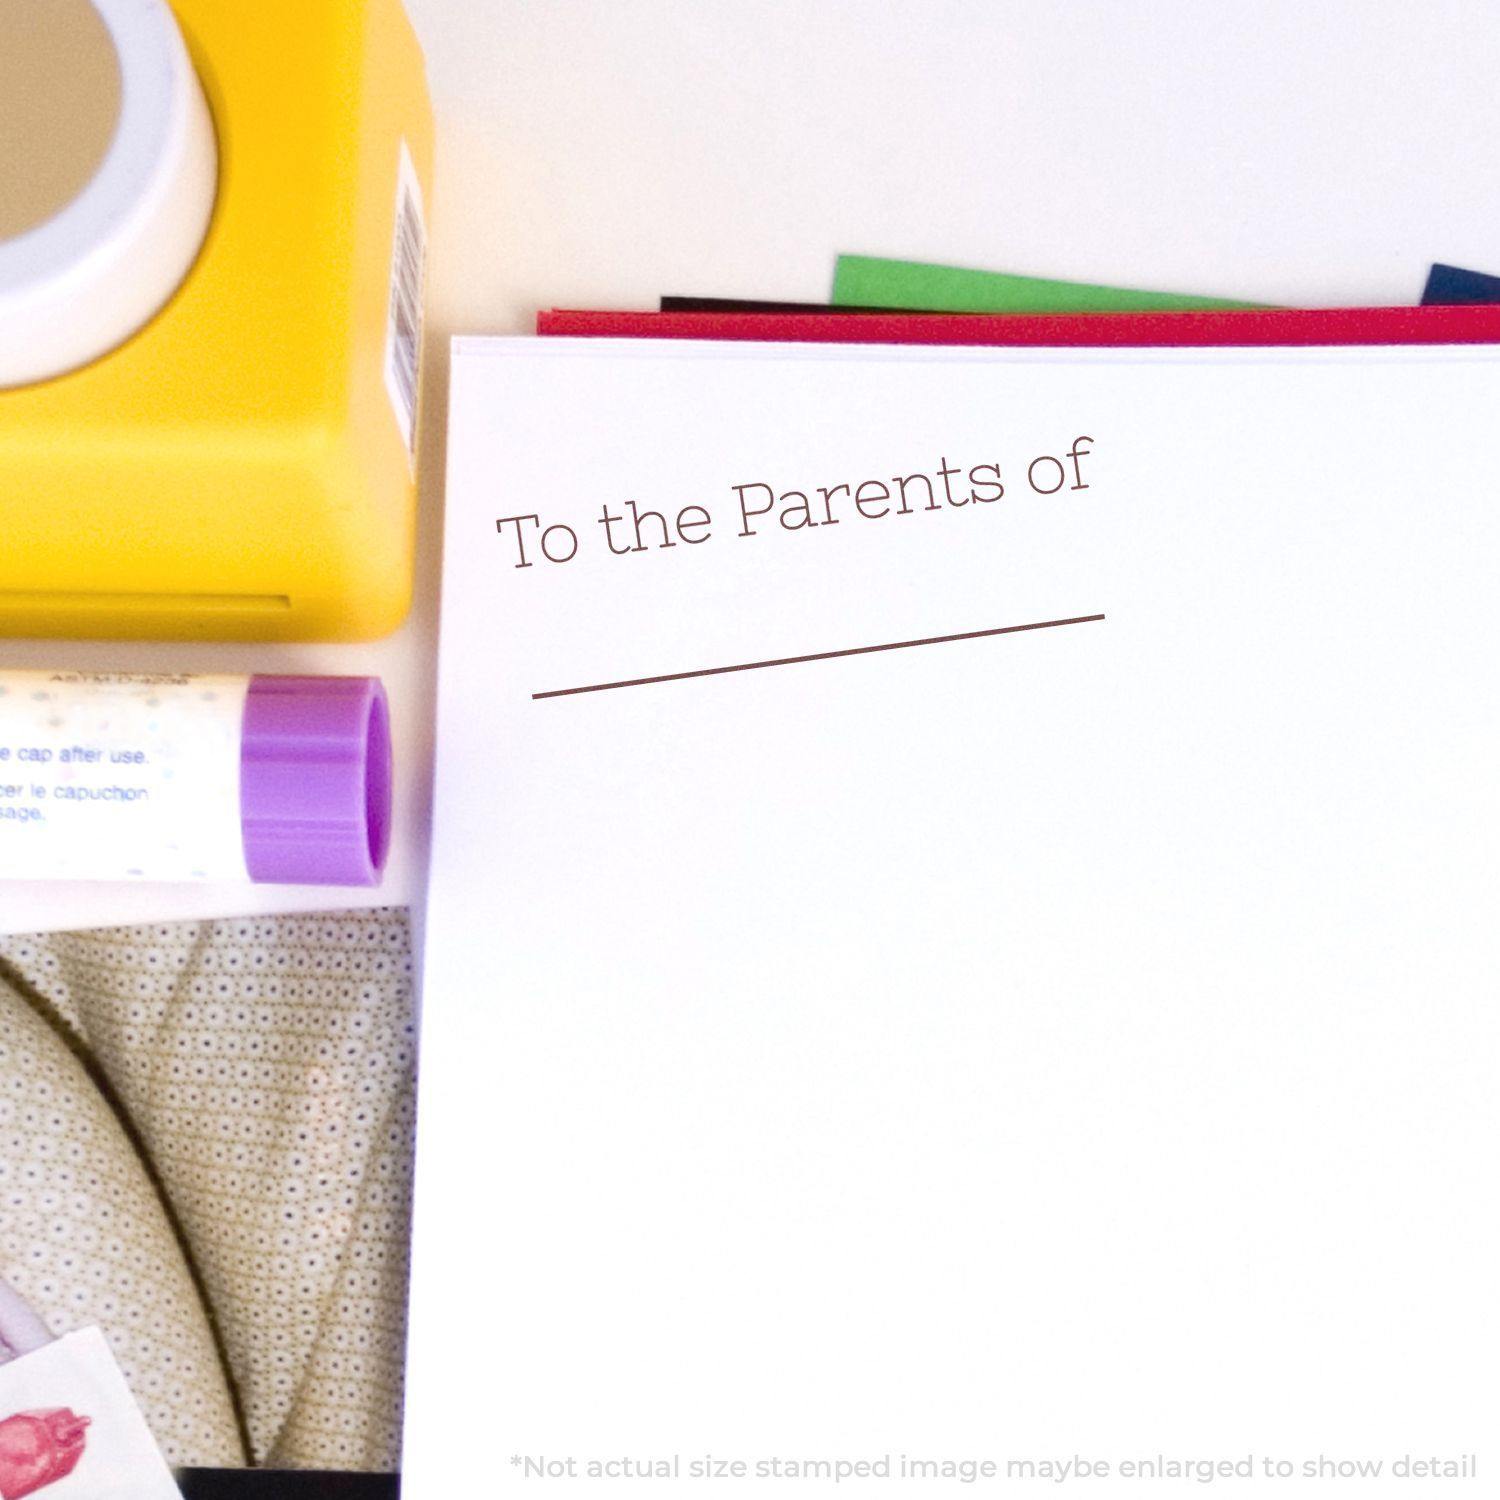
column 869, row 281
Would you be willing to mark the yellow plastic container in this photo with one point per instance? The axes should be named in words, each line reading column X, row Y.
column 241, row 468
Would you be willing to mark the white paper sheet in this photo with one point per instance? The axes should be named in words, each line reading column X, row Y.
column 70, row 1426
column 1076, row 1043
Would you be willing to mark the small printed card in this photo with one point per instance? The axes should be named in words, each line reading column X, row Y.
column 978, row 867
column 70, row 1429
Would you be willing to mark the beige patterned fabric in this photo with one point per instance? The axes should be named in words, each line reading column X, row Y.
column 261, row 1072
column 85, row 1239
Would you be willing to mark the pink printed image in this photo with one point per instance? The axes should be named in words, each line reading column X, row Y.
column 37, row 1448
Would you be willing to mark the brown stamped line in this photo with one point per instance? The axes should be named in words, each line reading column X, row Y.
column 793, row 661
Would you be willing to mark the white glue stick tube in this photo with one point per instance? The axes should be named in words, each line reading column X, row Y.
column 122, row 776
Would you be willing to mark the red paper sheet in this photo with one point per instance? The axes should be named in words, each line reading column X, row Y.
column 1270, row 327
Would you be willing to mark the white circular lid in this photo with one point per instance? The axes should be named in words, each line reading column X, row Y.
column 109, row 166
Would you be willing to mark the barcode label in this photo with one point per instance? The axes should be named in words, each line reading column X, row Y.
column 403, row 340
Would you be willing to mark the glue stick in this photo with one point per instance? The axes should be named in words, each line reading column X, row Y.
column 126, row 776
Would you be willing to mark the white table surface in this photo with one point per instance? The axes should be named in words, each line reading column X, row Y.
column 603, row 152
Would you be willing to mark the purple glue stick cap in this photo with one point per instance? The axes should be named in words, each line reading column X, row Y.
column 315, row 780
